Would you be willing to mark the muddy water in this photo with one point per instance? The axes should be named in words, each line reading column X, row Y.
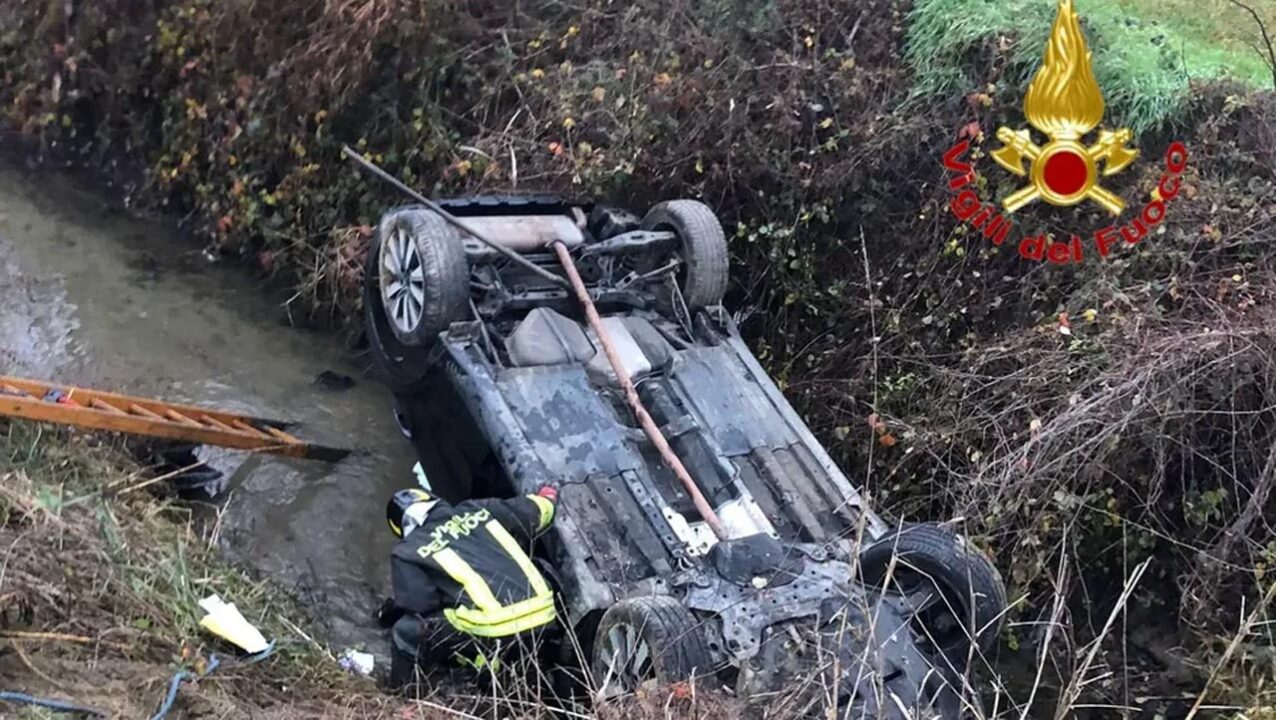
column 92, row 297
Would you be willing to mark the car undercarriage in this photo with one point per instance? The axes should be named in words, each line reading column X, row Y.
column 796, row 587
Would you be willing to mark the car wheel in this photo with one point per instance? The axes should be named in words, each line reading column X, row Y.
column 647, row 639
column 403, row 368
column 703, row 249
column 422, row 273
column 953, row 592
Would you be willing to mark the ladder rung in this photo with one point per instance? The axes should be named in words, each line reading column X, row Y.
column 208, row 420
column 282, row 435
column 108, row 407
column 139, row 410
column 174, row 415
column 249, row 428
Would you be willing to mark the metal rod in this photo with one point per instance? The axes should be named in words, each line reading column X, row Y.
column 450, row 218
column 631, row 394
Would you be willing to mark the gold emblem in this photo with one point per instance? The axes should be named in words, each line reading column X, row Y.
column 1064, row 102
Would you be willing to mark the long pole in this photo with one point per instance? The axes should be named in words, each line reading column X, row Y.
column 595, row 321
column 631, row 394
column 450, row 218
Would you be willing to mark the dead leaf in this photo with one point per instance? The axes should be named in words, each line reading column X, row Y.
column 1065, row 327
column 875, row 423
column 979, row 100
column 681, row 690
column 887, row 440
column 970, row 130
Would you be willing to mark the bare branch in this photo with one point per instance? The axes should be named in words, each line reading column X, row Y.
column 1270, row 57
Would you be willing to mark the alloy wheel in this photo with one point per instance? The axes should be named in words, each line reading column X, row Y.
column 402, row 281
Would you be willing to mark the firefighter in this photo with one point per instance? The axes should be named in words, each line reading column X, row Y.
column 465, row 588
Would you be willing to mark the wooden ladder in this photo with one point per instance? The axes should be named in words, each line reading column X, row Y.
column 45, row 402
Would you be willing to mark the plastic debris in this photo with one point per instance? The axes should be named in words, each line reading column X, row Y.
column 421, row 477
column 357, row 662
column 225, row 621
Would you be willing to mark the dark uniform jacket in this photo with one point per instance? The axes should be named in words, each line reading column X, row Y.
column 471, row 562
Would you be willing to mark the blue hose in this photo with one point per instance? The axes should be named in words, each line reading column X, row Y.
column 58, row 705
column 173, row 685
column 213, row 663
column 176, row 682
column 258, row 657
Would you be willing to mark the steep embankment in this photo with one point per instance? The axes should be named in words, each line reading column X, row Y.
column 99, row 585
column 934, row 364
column 100, row 579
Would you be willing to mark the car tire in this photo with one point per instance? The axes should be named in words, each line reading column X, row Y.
column 971, row 599
column 401, row 367
column 648, row 638
column 423, row 276
column 703, row 276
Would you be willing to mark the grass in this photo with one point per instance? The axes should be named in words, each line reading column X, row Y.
column 98, row 593
column 99, row 588
column 1145, row 51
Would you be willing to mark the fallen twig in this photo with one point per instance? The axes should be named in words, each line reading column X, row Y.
column 1241, row 633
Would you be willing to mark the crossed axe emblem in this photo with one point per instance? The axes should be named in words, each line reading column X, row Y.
column 1063, row 172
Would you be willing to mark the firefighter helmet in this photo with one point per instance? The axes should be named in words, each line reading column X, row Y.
column 400, row 502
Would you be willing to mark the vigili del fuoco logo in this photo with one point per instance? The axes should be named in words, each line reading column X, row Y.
column 1064, row 103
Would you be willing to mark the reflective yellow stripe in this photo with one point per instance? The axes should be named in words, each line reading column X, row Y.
column 473, row 583
column 491, row 619
column 511, row 548
column 510, row 620
column 547, row 511
column 478, row 662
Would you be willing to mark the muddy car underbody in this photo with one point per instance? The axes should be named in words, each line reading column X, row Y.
column 509, row 391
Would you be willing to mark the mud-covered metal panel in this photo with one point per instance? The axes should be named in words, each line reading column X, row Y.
column 797, row 495
column 799, row 460
column 849, row 497
column 623, row 545
column 571, row 429
column 729, row 402
column 792, row 523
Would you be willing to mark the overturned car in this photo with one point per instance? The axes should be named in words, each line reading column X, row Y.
column 799, row 593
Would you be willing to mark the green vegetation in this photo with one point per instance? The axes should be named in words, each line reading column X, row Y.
column 934, row 365
column 100, row 587
column 100, row 578
column 1145, row 51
